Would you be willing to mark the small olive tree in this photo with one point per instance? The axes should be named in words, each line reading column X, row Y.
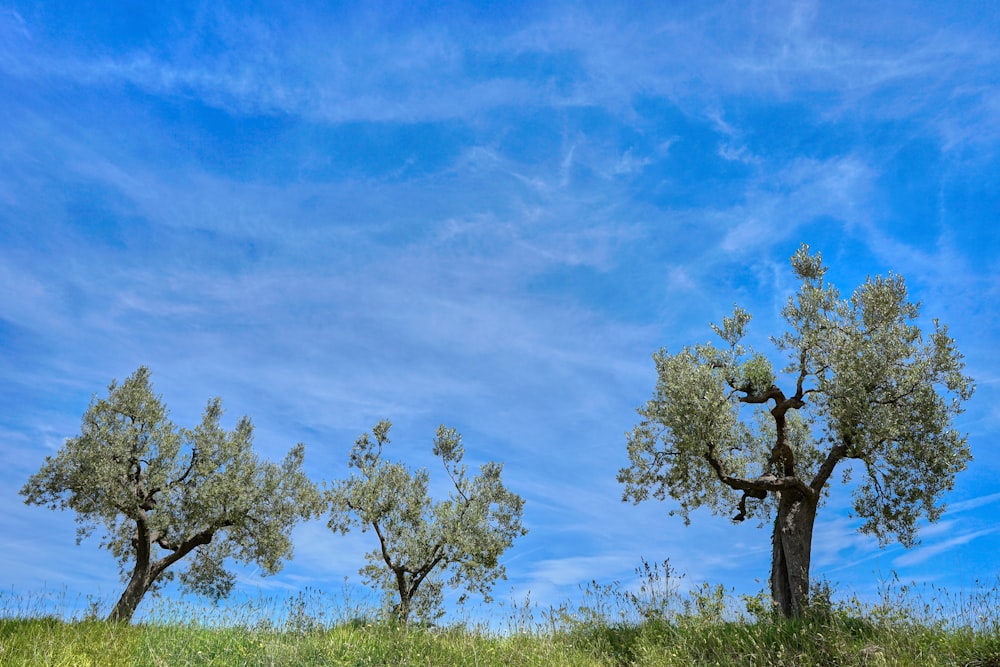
column 162, row 493
column 420, row 541
column 862, row 385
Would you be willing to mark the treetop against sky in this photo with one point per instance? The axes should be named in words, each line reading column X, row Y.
column 488, row 217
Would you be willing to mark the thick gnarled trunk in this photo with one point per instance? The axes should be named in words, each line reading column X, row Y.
column 792, row 542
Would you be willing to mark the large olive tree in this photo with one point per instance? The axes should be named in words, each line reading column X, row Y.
column 419, row 540
column 863, row 385
column 162, row 493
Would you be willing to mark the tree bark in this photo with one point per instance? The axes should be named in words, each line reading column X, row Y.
column 137, row 586
column 146, row 571
column 792, row 543
column 141, row 579
column 403, row 608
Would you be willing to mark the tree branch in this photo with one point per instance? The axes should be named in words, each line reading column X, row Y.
column 771, row 393
column 180, row 480
column 833, row 457
column 803, row 374
column 451, row 474
column 782, row 452
column 764, row 483
column 430, row 564
column 182, row 550
column 385, row 551
column 742, row 514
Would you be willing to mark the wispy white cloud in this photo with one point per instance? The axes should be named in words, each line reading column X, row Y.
column 973, row 503
column 611, row 183
column 321, row 69
column 918, row 555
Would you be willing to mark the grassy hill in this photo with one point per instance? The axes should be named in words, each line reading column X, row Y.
column 613, row 627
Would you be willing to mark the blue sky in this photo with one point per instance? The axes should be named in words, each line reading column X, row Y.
column 488, row 216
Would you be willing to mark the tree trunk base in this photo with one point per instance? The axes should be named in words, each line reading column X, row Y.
column 792, row 551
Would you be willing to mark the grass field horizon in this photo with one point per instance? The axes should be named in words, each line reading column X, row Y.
column 653, row 623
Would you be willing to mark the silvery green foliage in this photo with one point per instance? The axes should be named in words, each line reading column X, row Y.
column 422, row 544
column 863, row 384
column 162, row 493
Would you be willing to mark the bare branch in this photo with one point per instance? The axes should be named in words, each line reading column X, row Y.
column 183, row 549
column 180, row 480
column 833, row 457
column 764, row 483
column 772, row 392
column 742, row 514
column 803, row 372
column 382, row 544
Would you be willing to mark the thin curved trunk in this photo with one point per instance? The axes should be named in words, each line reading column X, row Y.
column 146, row 571
column 137, row 587
column 792, row 544
column 141, row 579
column 403, row 608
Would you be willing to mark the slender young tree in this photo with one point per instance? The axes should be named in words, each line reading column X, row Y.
column 863, row 386
column 420, row 541
column 164, row 494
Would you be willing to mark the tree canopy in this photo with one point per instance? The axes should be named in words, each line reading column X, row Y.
column 862, row 385
column 163, row 493
column 420, row 542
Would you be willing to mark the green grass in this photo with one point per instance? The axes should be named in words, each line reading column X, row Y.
column 688, row 642
column 48, row 642
column 614, row 627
